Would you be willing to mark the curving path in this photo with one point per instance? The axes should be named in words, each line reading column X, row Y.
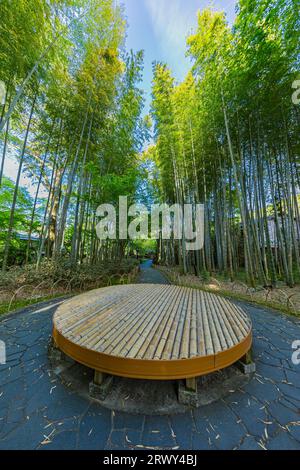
column 38, row 412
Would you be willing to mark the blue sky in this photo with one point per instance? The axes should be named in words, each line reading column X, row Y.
column 160, row 27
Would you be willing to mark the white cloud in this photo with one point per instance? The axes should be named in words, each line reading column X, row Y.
column 172, row 21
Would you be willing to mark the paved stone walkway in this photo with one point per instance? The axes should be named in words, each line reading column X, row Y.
column 151, row 276
column 38, row 412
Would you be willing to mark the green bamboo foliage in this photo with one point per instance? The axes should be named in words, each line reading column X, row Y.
column 72, row 116
column 228, row 136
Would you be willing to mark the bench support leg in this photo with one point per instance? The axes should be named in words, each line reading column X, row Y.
column 188, row 392
column 191, row 384
column 100, row 386
column 54, row 354
column 246, row 363
column 98, row 378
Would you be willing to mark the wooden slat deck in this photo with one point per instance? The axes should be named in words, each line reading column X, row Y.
column 152, row 331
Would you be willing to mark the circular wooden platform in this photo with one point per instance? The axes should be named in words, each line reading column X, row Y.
column 154, row 331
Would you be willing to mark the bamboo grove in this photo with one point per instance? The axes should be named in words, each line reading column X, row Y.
column 228, row 137
column 72, row 116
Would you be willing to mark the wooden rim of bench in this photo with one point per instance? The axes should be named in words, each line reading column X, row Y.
column 151, row 368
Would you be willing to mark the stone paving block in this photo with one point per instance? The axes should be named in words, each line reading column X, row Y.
column 60, row 425
column 289, row 366
column 293, row 377
column 266, row 358
column 200, row 421
column 292, row 403
column 65, row 440
column 282, row 414
column 123, row 421
column 202, row 442
column 223, row 427
column 12, row 390
column 2, row 424
column 116, row 440
column 133, row 438
column 289, row 390
column 250, row 443
column 94, row 430
column 180, row 422
column 157, row 432
column 13, row 373
column 283, row 442
column 265, row 392
column 294, row 430
column 70, row 405
column 16, row 413
column 251, row 414
column 25, row 436
column 268, row 371
column 31, row 339
column 14, row 350
column 35, row 352
column 40, row 397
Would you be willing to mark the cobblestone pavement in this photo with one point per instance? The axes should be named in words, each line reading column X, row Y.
column 38, row 412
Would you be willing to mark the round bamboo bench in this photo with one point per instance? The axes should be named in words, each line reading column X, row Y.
column 157, row 332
